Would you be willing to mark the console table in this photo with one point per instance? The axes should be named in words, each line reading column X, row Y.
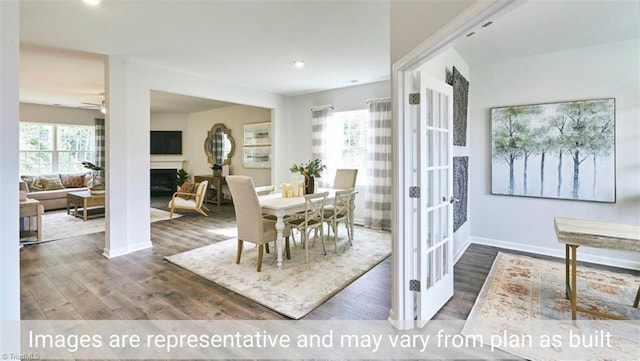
column 215, row 181
column 580, row 232
column 31, row 209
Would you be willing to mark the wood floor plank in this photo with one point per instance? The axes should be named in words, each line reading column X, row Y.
column 57, row 276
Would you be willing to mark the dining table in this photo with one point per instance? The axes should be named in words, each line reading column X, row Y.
column 278, row 206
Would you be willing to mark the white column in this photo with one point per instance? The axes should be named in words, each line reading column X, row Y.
column 127, row 161
column 9, row 211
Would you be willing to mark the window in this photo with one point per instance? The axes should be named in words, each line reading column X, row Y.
column 54, row 148
column 347, row 143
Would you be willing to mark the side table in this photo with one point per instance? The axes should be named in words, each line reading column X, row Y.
column 31, row 209
column 215, row 181
column 581, row 232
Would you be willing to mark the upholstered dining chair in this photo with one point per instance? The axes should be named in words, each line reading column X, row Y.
column 251, row 226
column 339, row 212
column 311, row 220
column 345, row 178
column 191, row 201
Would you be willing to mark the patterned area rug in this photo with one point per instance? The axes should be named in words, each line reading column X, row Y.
column 524, row 289
column 59, row 225
column 298, row 287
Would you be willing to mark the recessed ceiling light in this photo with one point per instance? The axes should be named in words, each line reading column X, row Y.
column 91, row 2
column 471, row 33
column 353, row 81
column 298, row 64
column 487, row 24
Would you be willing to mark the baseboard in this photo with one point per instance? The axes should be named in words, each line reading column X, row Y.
column 111, row 253
column 462, row 250
column 608, row 261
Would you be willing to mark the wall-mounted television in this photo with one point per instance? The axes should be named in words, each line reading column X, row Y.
column 166, row 142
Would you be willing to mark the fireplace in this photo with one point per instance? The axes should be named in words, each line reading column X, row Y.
column 163, row 182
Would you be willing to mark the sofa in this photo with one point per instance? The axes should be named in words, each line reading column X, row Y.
column 52, row 189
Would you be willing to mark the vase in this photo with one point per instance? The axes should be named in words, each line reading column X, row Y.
column 309, row 185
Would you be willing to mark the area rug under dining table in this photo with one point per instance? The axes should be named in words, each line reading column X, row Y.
column 298, row 287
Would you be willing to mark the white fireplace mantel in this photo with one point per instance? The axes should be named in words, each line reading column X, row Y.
column 167, row 162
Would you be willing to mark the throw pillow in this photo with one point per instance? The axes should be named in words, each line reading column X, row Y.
column 33, row 183
column 51, row 184
column 187, row 187
column 74, row 181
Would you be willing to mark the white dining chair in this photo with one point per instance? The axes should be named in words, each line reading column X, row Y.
column 340, row 212
column 312, row 219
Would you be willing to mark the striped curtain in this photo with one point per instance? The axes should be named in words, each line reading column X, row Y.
column 377, row 207
column 99, row 123
column 320, row 118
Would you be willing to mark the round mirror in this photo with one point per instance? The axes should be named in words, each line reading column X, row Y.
column 219, row 145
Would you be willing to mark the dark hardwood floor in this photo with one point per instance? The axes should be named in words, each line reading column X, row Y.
column 70, row 279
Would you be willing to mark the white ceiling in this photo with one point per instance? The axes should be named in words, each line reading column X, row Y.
column 248, row 43
column 254, row 43
column 538, row 27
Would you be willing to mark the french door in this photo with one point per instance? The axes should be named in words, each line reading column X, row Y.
column 434, row 211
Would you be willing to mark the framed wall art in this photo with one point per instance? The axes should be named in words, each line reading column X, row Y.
column 560, row 150
column 257, row 134
column 257, row 157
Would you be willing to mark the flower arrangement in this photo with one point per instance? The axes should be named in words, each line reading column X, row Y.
column 312, row 168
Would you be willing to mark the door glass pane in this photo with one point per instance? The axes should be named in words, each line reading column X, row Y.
column 444, row 149
column 430, row 279
column 445, row 258
column 438, row 265
column 444, row 114
column 429, row 105
column 444, row 185
column 437, row 111
column 444, row 224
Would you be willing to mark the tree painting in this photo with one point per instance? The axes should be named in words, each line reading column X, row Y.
column 576, row 139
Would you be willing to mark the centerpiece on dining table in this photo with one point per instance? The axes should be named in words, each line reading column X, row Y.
column 310, row 170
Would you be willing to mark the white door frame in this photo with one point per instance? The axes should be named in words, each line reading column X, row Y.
column 402, row 311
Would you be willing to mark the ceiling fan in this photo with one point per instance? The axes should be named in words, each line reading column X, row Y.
column 101, row 106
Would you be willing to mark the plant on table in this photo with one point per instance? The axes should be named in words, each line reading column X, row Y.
column 312, row 168
column 97, row 184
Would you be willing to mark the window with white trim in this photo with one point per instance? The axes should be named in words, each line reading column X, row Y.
column 347, row 142
column 55, row 148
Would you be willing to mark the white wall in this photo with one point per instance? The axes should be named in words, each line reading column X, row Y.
column 586, row 73
column 127, row 140
column 9, row 212
column 343, row 99
column 38, row 113
column 437, row 68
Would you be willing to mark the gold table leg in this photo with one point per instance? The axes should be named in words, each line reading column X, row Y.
column 574, row 287
column 571, row 288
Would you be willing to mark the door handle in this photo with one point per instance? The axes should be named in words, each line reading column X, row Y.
column 453, row 200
